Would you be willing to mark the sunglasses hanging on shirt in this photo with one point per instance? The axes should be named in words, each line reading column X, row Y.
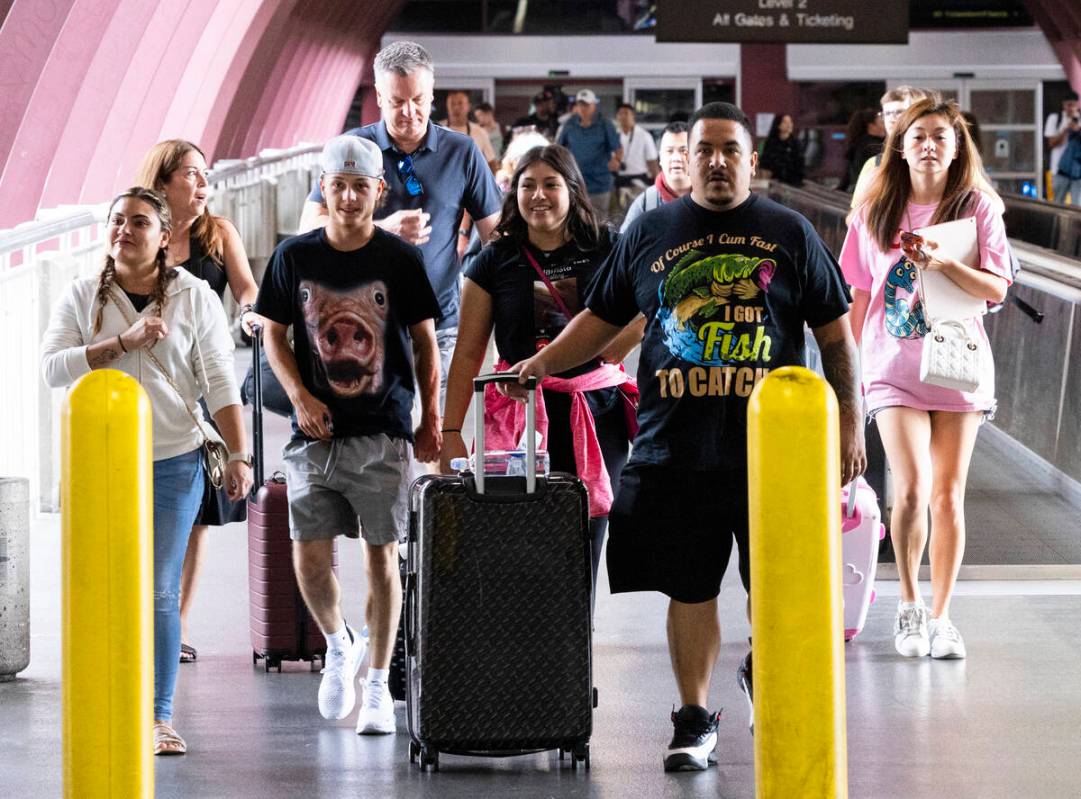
column 409, row 177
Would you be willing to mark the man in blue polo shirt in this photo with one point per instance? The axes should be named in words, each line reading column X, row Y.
column 433, row 175
column 594, row 143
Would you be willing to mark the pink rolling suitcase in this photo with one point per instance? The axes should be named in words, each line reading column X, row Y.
column 861, row 530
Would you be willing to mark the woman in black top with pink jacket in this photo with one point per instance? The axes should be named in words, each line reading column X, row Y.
column 526, row 285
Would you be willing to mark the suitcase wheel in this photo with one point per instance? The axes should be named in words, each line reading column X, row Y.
column 414, row 750
column 429, row 758
column 562, row 752
column 254, row 658
column 580, row 754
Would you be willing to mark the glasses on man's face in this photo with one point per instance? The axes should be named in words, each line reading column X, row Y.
column 409, row 177
column 891, row 114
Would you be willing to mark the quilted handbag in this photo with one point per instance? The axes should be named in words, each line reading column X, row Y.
column 952, row 357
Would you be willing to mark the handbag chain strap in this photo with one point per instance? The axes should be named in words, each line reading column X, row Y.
column 165, row 372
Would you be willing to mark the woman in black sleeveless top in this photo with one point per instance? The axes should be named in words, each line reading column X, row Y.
column 210, row 248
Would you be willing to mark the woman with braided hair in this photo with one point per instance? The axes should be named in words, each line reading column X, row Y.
column 166, row 329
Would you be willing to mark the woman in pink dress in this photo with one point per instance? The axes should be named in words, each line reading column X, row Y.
column 930, row 173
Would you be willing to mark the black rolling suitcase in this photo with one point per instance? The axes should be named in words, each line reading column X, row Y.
column 498, row 631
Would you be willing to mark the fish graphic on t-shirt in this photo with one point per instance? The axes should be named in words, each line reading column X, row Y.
column 698, row 286
column 713, row 309
column 347, row 333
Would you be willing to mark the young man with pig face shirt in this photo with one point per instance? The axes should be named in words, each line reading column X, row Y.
column 363, row 314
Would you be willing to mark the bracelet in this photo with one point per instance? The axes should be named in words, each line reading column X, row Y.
column 451, row 430
column 247, row 308
column 463, row 233
column 120, row 341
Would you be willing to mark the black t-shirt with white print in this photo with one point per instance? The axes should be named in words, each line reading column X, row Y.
column 525, row 315
column 351, row 313
column 726, row 295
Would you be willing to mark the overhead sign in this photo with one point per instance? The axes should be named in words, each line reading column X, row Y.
column 969, row 14
column 796, row 21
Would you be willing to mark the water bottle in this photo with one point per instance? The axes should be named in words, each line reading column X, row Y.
column 504, row 463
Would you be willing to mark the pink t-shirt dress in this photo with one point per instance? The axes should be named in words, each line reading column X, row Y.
column 892, row 340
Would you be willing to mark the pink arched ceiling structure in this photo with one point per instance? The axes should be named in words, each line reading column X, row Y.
column 87, row 86
column 1060, row 21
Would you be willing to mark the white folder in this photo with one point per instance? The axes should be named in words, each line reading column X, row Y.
column 942, row 298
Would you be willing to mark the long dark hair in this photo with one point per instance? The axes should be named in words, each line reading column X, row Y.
column 581, row 224
column 108, row 271
column 775, row 128
column 857, row 128
column 887, row 196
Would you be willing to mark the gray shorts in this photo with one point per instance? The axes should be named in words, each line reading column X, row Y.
column 348, row 486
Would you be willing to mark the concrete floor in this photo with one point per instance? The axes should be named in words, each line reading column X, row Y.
column 1001, row 724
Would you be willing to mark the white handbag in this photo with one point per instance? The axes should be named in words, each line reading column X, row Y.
column 952, row 357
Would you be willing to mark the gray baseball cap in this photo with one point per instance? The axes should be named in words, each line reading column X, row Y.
column 351, row 155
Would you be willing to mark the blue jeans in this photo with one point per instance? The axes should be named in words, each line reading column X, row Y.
column 1061, row 184
column 178, row 493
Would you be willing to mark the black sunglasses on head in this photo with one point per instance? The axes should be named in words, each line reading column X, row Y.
column 409, row 177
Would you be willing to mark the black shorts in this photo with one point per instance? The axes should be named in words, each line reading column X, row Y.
column 671, row 530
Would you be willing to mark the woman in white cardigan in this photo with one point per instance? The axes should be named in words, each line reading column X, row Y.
column 141, row 317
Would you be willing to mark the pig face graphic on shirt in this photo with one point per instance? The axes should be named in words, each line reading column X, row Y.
column 347, row 334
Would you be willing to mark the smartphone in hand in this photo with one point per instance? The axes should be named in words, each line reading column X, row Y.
column 912, row 246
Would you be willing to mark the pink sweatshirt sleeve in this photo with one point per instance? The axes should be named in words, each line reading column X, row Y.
column 994, row 246
column 854, row 263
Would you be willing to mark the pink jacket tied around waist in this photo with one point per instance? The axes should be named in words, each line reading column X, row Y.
column 504, row 424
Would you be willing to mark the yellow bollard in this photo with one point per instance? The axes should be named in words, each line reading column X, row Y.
column 107, row 624
column 800, row 746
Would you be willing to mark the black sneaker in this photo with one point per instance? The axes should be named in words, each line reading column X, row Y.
column 745, row 678
column 694, row 742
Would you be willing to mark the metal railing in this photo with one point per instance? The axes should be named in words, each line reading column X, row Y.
column 263, row 196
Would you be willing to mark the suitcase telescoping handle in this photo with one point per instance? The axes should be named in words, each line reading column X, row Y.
column 257, row 406
column 479, row 383
column 850, row 511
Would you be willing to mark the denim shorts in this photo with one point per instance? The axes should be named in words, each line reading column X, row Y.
column 356, row 486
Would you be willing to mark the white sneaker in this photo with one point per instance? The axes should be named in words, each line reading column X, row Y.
column 910, row 632
column 946, row 642
column 376, row 709
column 337, row 692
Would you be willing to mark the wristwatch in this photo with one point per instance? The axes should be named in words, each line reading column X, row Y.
column 242, row 457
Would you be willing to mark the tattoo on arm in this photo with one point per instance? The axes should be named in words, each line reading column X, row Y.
column 839, row 362
column 103, row 358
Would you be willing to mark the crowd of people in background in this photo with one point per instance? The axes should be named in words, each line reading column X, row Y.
column 377, row 268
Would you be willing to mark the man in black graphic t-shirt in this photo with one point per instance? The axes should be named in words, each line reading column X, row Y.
column 363, row 313
column 726, row 281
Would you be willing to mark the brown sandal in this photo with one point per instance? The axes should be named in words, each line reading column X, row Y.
column 166, row 741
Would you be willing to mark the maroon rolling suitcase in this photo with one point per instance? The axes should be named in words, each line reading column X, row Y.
column 281, row 627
